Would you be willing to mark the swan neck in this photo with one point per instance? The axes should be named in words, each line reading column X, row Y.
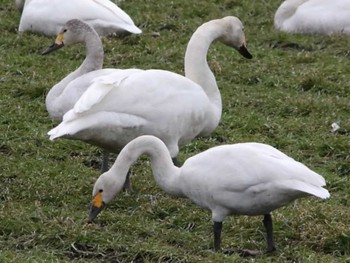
column 164, row 171
column 56, row 103
column 196, row 65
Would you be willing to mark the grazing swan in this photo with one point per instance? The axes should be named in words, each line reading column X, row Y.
column 313, row 17
column 176, row 109
column 48, row 16
column 237, row 179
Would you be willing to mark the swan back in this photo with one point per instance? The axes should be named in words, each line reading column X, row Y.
column 42, row 17
column 313, row 17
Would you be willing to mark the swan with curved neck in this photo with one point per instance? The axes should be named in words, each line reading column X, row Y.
column 47, row 17
column 174, row 108
column 237, row 179
column 65, row 94
column 313, row 17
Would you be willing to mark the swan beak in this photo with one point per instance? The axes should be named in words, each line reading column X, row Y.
column 57, row 45
column 243, row 50
column 96, row 206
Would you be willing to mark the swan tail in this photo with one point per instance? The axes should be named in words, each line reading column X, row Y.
column 98, row 122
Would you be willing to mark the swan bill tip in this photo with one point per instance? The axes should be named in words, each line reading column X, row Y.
column 51, row 48
column 244, row 52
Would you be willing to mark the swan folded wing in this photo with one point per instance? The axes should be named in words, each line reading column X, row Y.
column 115, row 10
column 100, row 88
column 98, row 120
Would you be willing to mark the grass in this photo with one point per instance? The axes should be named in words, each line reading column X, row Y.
column 287, row 96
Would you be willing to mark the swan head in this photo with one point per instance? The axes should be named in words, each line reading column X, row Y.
column 105, row 189
column 74, row 31
column 233, row 35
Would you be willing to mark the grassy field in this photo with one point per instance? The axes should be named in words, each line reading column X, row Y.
column 288, row 96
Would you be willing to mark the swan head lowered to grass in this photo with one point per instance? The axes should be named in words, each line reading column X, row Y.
column 313, row 17
column 237, row 179
column 48, row 16
column 114, row 109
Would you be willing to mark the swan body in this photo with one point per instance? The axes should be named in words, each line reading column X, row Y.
column 48, row 16
column 237, row 179
column 313, row 17
column 119, row 107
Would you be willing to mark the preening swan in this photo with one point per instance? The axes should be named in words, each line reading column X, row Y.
column 237, row 179
column 48, row 16
column 174, row 108
column 313, row 17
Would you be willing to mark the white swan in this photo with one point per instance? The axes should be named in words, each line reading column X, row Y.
column 115, row 110
column 66, row 93
column 48, row 16
column 237, row 179
column 313, row 17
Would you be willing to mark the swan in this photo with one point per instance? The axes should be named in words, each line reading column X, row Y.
column 114, row 109
column 48, row 16
column 66, row 93
column 238, row 179
column 313, row 17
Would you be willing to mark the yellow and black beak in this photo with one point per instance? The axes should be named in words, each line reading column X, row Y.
column 57, row 45
column 96, row 206
column 243, row 50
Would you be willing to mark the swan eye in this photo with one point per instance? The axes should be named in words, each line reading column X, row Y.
column 65, row 30
column 100, row 191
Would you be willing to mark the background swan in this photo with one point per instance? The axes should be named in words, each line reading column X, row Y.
column 48, row 16
column 313, row 17
column 238, row 179
column 114, row 110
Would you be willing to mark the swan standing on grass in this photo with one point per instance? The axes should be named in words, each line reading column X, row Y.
column 313, row 17
column 66, row 93
column 48, row 16
column 174, row 108
column 237, row 179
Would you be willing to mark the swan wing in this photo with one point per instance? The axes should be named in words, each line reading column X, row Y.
column 100, row 88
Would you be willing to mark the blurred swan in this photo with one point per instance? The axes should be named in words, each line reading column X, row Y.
column 119, row 107
column 237, row 179
column 48, row 16
column 313, row 17
column 19, row 4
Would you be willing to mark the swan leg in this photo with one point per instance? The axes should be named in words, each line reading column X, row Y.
column 269, row 232
column 217, row 227
column 267, row 221
column 175, row 162
column 105, row 160
column 127, row 185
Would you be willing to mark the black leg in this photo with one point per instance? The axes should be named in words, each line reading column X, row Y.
column 127, row 185
column 217, row 226
column 176, row 162
column 269, row 232
column 105, row 160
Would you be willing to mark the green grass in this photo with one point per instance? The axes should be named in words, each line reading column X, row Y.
column 287, row 96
